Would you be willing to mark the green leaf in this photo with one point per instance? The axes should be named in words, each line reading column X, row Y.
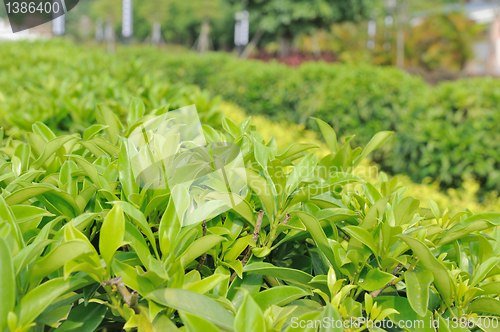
column 296, row 276
column 231, row 127
column 112, row 233
column 194, row 323
column 207, row 284
column 329, row 135
column 363, row 236
column 442, row 279
column 249, row 317
column 140, row 220
column 376, row 142
column 485, row 305
column 38, row 299
column 375, row 279
column 199, row 247
column 443, row 326
column 125, row 171
column 417, row 290
column 434, row 208
column 83, row 318
column 260, row 186
column 474, row 223
column 57, row 257
column 483, row 270
column 23, row 194
column 108, row 118
column 330, row 315
column 132, row 279
column 194, row 304
column 405, row 210
column 169, row 228
column 51, row 148
column 7, row 215
column 136, row 110
column 43, row 130
column 406, row 313
column 303, row 170
column 21, row 158
column 7, row 283
column 92, row 131
column 279, row 295
column 314, row 228
column 336, row 180
column 294, row 149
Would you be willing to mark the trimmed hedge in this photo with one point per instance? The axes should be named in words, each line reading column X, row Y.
column 448, row 132
column 457, row 137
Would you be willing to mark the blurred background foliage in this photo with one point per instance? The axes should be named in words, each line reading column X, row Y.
column 445, row 132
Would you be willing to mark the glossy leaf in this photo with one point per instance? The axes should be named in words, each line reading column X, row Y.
column 417, row 290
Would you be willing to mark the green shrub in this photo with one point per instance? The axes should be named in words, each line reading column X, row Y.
column 457, row 136
column 83, row 247
column 445, row 132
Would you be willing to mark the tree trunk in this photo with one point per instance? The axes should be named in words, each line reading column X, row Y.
column 156, row 34
column 203, row 41
column 285, row 43
column 99, row 30
column 315, row 45
column 110, row 36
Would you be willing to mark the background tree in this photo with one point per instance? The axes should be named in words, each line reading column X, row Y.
column 205, row 11
column 285, row 19
column 111, row 12
column 155, row 12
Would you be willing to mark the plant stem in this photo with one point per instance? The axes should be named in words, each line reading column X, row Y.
column 255, row 237
column 131, row 299
column 204, row 256
column 392, row 283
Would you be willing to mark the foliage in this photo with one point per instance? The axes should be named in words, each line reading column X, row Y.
column 83, row 247
column 445, row 132
column 62, row 91
column 456, row 137
column 293, row 17
column 448, row 141
column 442, row 41
column 455, row 199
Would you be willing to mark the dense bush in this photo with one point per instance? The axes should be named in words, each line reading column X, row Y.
column 62, row 91
column 432, row 137
column 457, row 137
column 82, row 246
column 447, row 132
column 362, row 99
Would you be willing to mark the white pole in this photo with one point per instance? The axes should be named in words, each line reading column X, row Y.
column 58, row 26
column 127, row 19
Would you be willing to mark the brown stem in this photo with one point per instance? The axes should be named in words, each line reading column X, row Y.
column 255, row 237
column 130, row 299
column 204, row 256
column 392, row 283
column 287, row 218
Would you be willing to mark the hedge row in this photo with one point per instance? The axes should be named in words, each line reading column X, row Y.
column 448, row 132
